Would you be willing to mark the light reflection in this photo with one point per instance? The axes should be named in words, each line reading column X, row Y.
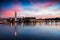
column 52, row 24
column 22, row 24
column 34, row 23
column 15, row 28
column 15, row 32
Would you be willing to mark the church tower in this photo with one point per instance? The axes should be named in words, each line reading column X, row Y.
column 15, row 16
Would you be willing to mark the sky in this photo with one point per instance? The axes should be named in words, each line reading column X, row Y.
column 30, row 8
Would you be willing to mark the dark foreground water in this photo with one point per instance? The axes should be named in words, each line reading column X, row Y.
column 30, row 31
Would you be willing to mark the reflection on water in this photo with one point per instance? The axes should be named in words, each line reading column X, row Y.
column 32, row 24
column 40, row 29
column 15, row 33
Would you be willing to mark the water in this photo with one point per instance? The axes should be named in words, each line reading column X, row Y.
column 30, row 31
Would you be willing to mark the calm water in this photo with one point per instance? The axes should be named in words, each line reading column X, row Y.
column 30, row 31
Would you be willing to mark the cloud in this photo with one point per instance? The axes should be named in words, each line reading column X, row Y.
column 38, row 10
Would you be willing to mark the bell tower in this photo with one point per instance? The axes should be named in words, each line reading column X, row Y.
column 15, row 16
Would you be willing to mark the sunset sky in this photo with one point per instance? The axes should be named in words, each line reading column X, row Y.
column 30, row 8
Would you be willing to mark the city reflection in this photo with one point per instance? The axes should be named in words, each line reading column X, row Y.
column 34, row 23
column 31, row 24
column 15, row 28
column 25, row 28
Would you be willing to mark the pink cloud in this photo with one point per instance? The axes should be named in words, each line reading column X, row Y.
column 11, row 12
column 45, row 5
column 48, row 4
